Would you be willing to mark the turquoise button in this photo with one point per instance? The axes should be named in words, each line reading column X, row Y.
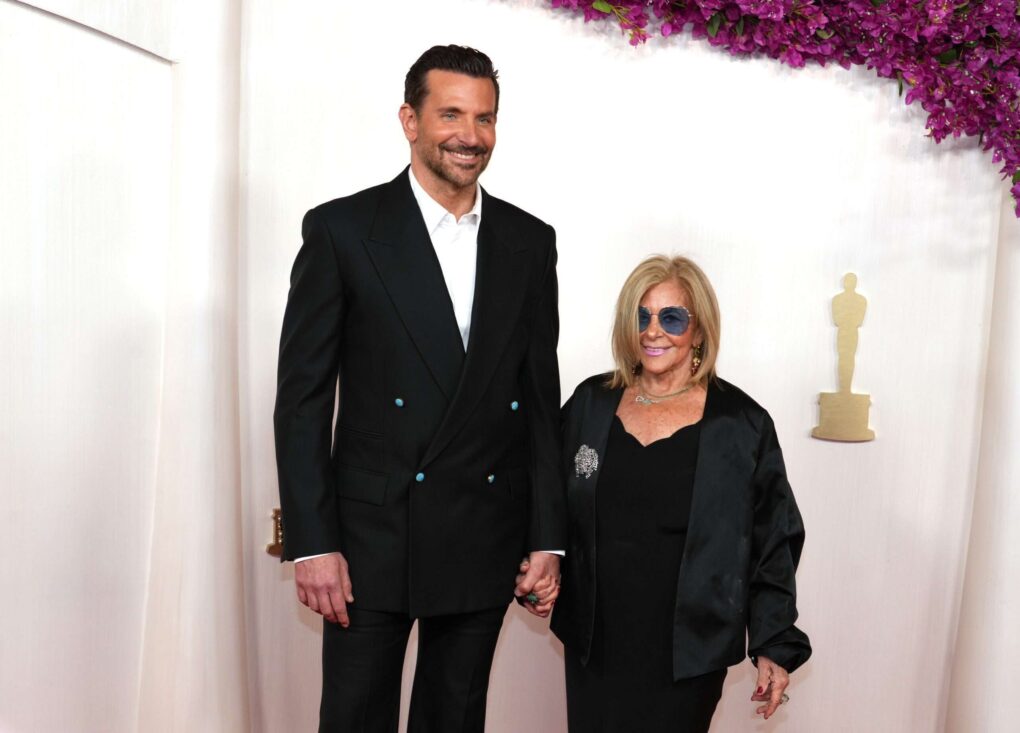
column 514, row 405
column 491, row 478
column 398, row 402
column 419, row 477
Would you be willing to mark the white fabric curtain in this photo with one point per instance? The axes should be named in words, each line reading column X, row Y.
column 194, row 656
column 988, row 637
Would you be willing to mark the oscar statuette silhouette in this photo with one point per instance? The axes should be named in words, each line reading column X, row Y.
column 843, row 415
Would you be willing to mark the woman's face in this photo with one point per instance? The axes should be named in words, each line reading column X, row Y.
column 662, row 352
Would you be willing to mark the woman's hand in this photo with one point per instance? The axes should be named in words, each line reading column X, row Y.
column 771, row 687
column 544, row 592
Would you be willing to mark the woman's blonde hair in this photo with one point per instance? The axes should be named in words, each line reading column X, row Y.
column 704, row 308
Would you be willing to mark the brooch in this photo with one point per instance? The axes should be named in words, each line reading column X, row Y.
column 586, row 462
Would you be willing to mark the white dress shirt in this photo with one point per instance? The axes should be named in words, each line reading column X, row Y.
column 456, row 244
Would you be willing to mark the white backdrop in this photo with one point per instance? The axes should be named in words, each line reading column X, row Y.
column 139, row 363
column 122, row 585
column 778, row 182
column 84, row 230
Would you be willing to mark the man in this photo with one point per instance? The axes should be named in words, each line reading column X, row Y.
column 435, row 305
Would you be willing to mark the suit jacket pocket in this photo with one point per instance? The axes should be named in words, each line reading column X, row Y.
column 360, row 484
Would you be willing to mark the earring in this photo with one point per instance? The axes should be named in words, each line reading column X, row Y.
column 696, row 357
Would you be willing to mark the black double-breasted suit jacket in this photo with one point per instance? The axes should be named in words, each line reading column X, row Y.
column 736, row 588
column 443, row 467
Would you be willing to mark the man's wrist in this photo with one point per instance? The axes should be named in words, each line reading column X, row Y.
column 311, row 557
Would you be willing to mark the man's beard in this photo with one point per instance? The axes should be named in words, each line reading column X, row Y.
column 450, row 172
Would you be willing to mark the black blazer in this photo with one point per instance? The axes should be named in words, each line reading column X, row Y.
column 443, row 469
column 743, row 541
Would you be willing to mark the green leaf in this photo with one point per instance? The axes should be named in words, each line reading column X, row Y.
column 602, row 6
column 713, row 24
column 878, row 3
column 899, row 79
column 824, row 34
column 948, row 57
column 740, row 26
column 1016, row 177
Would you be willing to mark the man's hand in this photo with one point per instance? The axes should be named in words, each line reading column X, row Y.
column 540, row 575
column 324, row 585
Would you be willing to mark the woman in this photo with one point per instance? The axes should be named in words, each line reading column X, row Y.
column 684, row 531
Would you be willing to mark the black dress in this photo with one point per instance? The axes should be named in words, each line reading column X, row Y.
column 643, row 505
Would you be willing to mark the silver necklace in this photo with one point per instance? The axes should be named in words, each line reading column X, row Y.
column 643, row 398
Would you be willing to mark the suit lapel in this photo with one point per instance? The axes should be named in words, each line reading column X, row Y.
column 403, row 256
column 710, row 501
column 500, row 285
column 597, row 424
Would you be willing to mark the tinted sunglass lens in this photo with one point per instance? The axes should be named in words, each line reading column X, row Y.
column 674, row 321
column 644, row 317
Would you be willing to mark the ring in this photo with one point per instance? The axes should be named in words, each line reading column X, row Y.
column 531, row 598
column 784, row 698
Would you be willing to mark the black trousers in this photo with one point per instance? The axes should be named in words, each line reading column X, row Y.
column 600, row 700
column 362, row 665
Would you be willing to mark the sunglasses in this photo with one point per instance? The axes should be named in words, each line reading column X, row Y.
column 674, row 320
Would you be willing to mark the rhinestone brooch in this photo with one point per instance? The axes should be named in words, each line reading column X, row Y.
column 586, row 462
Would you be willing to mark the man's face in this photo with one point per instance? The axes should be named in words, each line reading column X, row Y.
column 454, row 132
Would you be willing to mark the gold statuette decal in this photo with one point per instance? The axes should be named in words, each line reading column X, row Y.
column 276, row 548
column 843, row 415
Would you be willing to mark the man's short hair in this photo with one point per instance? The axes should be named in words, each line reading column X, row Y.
column 459, row 59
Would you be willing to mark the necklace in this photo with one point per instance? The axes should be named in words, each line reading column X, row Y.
column 643, row 398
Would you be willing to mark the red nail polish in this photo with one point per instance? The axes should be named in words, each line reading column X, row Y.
column 760, row 690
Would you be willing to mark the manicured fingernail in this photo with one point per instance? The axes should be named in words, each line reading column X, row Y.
column 760, row 690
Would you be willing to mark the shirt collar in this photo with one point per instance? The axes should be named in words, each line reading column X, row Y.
column 433, row 212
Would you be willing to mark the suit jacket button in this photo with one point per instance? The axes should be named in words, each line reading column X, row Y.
column 491, row 478
column 419, row 477
column 398, row 402
column 514, row 405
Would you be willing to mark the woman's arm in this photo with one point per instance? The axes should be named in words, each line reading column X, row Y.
column 777, row 539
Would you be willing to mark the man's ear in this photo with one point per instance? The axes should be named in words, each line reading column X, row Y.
column 409, row 121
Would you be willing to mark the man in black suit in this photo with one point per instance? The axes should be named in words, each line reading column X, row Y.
column 435, row 305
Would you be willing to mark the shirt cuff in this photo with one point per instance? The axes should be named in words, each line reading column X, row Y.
column 309, row 557
column 561, row 553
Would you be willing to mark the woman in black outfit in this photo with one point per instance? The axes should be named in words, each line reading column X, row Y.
column 684, row 531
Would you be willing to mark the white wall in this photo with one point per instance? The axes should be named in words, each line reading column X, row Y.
column 148, row 24
column 778, row 182
column 122, row 585
column 988, row 645
column 84, row 228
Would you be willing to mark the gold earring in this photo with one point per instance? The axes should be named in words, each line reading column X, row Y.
column 696, row 358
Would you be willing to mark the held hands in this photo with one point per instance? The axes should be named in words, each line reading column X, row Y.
column 324, row 585
column 771, row 687
column 539, row 581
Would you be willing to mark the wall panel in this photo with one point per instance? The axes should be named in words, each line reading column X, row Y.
column 148, row 25
column 84, row 228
